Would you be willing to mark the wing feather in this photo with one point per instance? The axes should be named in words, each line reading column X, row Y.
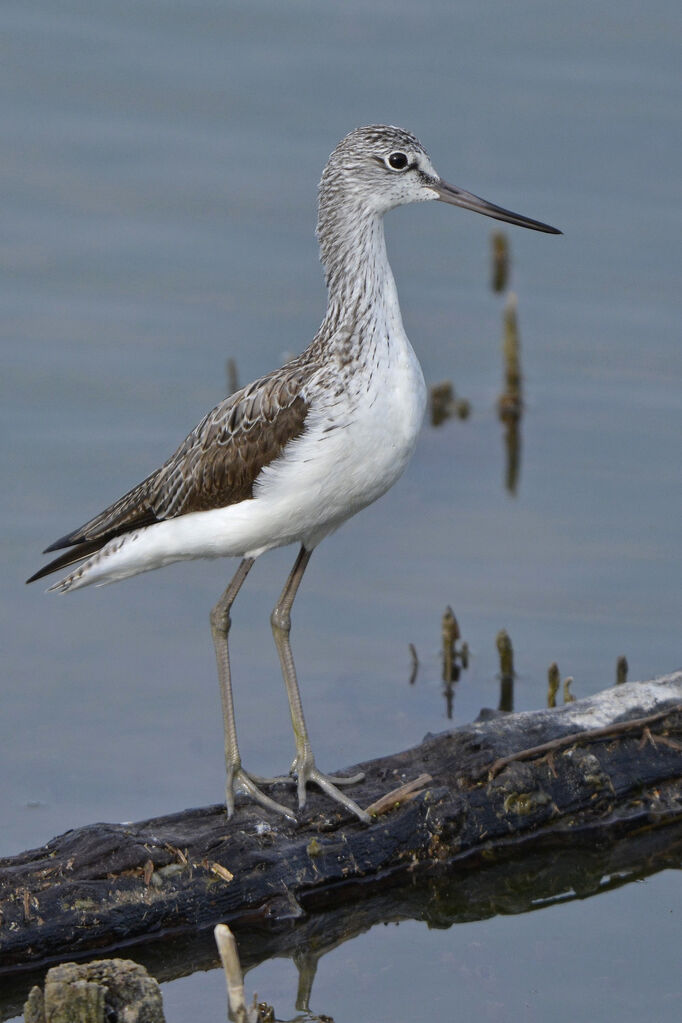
column 216, row 465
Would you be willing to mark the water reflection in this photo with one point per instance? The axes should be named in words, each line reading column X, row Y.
column 521, row 885
column 444, row 404
column 443, row 401
column 414, row 660
column 510, row 402
column 552, row 684
column 240, row 1010
column 499, row 249
column 455, row 658
column 514, row 883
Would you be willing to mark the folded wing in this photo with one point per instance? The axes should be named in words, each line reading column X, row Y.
column 215, row 466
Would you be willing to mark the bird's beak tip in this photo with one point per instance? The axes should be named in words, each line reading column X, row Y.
column 458, row 197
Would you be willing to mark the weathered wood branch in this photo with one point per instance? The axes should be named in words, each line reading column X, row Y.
column 108, row 886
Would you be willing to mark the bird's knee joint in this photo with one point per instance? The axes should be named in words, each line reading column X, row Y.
column 220, row 619
column 280, row 620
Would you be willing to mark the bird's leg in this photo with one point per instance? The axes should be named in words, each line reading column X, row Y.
column 237, row 778
column 304, row 762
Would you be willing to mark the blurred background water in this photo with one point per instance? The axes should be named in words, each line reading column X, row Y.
column 158, row 179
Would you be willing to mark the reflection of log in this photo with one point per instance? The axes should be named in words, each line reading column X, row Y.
column 581, row 866
column 106, row 886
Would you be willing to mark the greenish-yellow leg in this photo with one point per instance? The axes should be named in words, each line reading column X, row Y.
column 237, row 778
column 303, row 767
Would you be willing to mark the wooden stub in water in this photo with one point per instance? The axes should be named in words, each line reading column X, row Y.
column 96, row 993
column 110, row 885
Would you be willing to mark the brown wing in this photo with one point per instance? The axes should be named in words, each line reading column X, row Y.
column 215, row 466
column 218, row 463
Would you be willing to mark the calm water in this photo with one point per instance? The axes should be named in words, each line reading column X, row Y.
column 158, row 180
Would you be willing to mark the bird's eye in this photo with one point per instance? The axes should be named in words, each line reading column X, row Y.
column 398, row 161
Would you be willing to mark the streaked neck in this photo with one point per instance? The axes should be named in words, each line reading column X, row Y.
column 353, row 252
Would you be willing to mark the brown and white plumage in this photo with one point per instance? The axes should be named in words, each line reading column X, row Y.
column 293, row 455
column 215, row 466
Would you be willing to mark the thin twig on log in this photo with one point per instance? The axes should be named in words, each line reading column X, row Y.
column 392, row 800
column 589, row 736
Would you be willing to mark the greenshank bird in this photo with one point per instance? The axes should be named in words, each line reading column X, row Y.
column 290, row 457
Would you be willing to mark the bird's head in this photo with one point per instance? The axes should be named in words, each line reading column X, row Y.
column 378, row 167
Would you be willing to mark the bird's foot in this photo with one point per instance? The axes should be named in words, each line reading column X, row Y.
column 290, row 778
column 239, row 781
column 305, row 770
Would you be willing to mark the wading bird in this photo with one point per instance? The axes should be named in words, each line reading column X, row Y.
column 291, row 456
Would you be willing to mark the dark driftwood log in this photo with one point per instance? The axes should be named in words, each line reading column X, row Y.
column 110, row 886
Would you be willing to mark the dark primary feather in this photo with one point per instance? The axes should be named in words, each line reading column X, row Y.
column 215, row 466
column 70, row 557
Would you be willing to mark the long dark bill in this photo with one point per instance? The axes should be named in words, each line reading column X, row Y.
column 458, row 197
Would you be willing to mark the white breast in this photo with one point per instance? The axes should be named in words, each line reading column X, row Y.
column 357, row 441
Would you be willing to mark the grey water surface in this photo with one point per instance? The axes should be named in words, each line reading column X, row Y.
column 157, row 179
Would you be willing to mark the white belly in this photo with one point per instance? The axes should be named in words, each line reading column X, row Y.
column 354, row 448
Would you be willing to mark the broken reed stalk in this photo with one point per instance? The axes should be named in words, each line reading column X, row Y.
column 621, row 670
column 511, row 347
column 506, row 652
column 450, row 635
column 234, row 980
column 506, row 655
column 553, row 683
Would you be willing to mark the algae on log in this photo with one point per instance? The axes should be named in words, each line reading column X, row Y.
column 109, row 885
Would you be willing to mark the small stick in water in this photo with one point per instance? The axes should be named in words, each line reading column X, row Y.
column 506, row 654
column 552, row 683
column 510, row 401
column 621, row 670
column 240, row 1012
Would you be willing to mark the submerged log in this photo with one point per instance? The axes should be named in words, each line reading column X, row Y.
column 589, row 772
